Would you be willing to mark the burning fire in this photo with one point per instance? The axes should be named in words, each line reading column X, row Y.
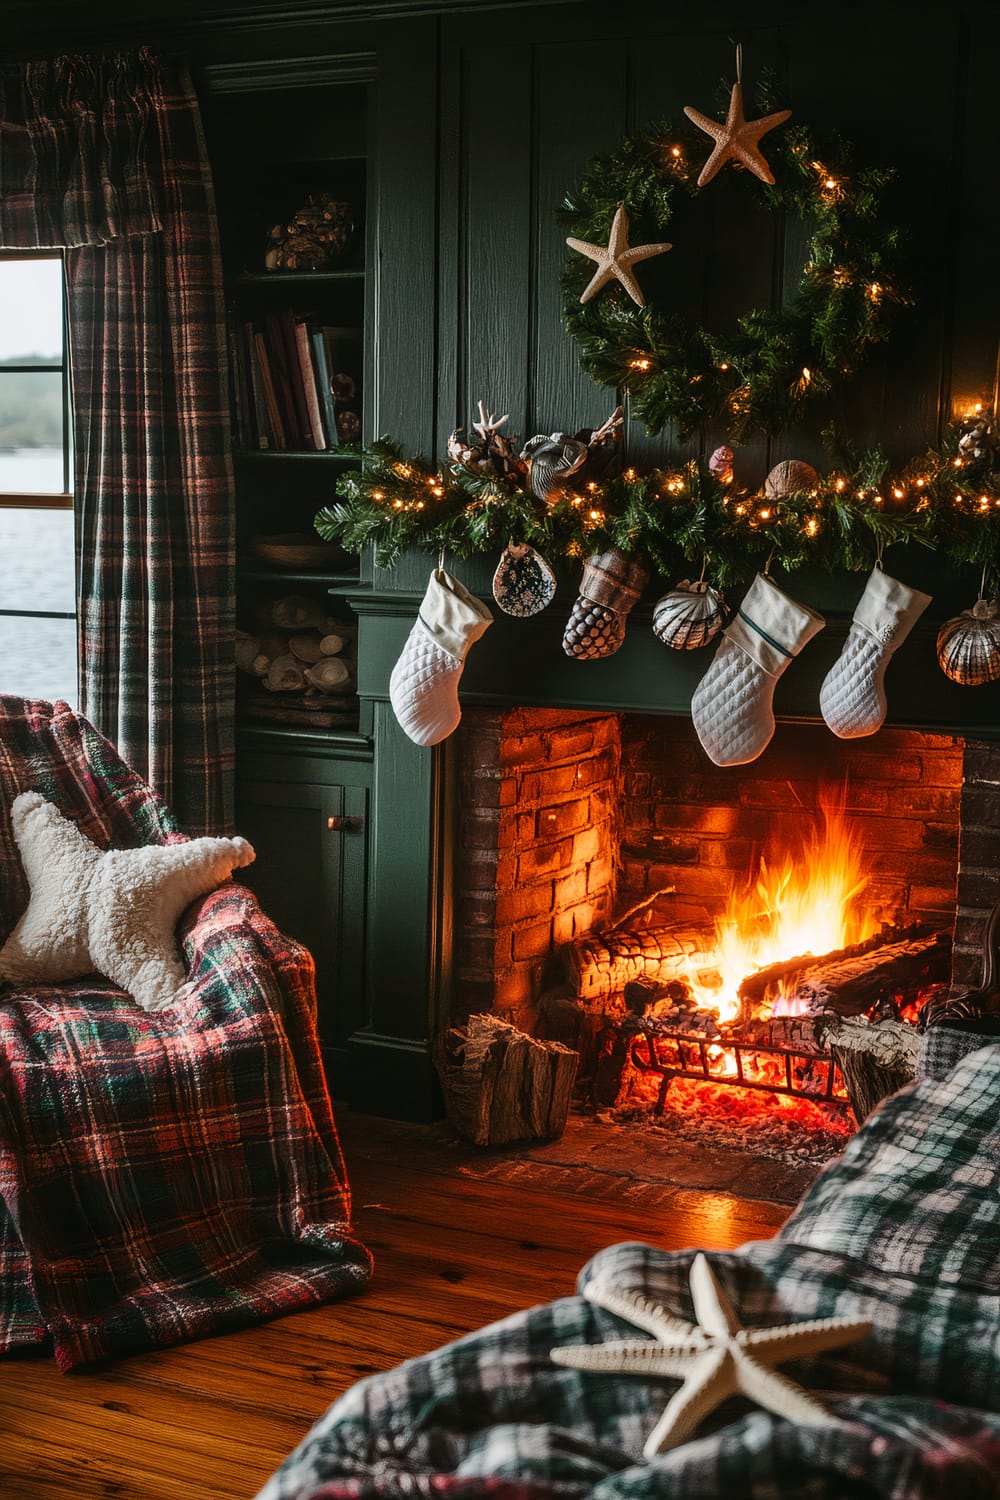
column 805, row 902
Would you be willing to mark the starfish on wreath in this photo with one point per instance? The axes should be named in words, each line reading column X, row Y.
column 716, row 1358
column 616, row 258
column 736, row 137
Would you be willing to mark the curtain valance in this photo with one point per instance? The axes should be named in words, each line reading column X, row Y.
column 80, row 150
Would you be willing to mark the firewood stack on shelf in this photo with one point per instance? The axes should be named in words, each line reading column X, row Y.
column 299, row 666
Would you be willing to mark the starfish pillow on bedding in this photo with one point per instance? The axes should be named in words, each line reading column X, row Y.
column 112, row 912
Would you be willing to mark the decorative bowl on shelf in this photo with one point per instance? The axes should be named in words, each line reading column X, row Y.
column 296, row 549
column 315, row 238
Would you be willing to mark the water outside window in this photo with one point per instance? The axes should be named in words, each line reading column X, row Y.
column 31, row 423
column 38, row 653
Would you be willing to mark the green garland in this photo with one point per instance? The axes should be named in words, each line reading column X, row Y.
column 683, row 516
column 760, row 375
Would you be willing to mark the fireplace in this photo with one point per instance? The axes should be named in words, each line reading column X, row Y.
column 577, row 824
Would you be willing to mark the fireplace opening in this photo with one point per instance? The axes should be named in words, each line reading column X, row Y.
column 709, row 940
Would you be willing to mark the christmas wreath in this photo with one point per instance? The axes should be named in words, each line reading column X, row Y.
column 761, row 374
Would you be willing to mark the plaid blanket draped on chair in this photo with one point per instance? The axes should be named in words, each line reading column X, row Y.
column 162, row 1176
column 903, row 1230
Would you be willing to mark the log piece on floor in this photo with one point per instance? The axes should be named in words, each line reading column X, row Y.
column 502, row 1085
column 874, row 1060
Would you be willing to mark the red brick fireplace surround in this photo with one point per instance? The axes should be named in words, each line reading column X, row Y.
column 569, row 818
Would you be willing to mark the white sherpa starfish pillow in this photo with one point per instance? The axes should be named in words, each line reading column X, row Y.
column 114, row 913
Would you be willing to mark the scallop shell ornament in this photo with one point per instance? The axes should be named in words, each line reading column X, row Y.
column 691, row 615
column 788, row 478
column 968, row 646
column 523, row 583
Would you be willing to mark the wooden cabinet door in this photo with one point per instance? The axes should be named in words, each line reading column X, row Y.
column 310, row 877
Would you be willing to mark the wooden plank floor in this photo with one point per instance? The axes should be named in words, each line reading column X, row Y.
column 459, row 1239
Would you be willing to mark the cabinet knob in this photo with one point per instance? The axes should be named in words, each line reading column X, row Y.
column 342, row 825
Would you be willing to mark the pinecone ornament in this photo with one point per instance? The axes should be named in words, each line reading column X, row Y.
column 612, row 583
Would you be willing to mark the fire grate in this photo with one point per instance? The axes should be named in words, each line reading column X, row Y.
column 704, row 1059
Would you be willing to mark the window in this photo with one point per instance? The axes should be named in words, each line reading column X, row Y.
column 38, row 656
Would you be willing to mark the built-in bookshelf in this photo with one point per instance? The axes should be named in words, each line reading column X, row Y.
column 290, row 167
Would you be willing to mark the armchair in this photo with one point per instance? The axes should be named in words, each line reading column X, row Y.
column 163, row 1175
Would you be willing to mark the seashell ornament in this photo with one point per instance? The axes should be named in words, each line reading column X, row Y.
column 721, row 464
column 980, row 442
column 788, row 478
column 523, row 583
column 551, row 460
column 968, row 646
column 690, row 616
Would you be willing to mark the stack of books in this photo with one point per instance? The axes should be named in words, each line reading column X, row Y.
column 297, row 383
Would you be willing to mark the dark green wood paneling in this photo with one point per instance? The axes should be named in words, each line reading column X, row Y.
column 403, row 199
column 560, row 395
column 973, row 365
column 403, row 957
column 496, row 228
column 894, row 399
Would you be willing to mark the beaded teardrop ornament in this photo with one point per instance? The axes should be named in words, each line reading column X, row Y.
column 523, row 583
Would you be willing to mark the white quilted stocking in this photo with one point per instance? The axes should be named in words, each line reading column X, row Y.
column 732, row 705
column 852, row 698
column 423, row 688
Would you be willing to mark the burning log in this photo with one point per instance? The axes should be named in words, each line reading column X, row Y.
column 602, row 963
column 874, row 1061
column 851, row 985
column 756, row 988
column 502, row 1085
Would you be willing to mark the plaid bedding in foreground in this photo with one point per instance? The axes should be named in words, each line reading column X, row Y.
column 904, row 1230
column 170, row 1175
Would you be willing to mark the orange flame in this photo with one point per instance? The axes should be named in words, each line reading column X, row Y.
column 806, row 901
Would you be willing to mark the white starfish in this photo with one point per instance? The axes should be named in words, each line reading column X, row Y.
column 717, row 1358
column 616, row 258
column 736, row 137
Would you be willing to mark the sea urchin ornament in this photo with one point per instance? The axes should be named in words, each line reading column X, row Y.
column 789, row 478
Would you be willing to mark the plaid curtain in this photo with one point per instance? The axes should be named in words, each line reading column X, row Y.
column 105, row 157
